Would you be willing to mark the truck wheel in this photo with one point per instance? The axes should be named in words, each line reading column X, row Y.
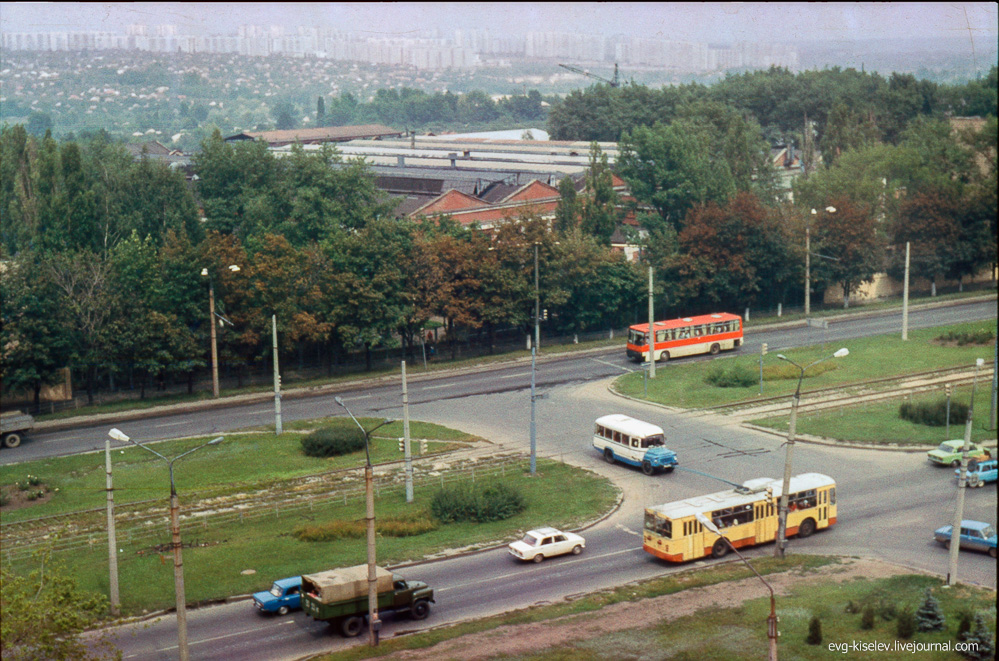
column 420, row 610
column 648, row 468
column 806, row 528
column 719, row 550
column 351, row 626
column 12, row 440
column 608, row 455
column 283, row 610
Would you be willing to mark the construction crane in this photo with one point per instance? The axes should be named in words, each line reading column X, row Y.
column 613, row 82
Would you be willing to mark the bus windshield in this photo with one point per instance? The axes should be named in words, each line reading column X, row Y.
column 636, row 337
column 653, row 441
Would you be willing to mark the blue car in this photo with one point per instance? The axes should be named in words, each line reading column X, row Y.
column 284, row 595
column 980, row 472
column 974, row 535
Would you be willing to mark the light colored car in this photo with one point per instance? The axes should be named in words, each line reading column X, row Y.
column 976, row 535
column 948, row 453
column 536, row 545
column 980, row 472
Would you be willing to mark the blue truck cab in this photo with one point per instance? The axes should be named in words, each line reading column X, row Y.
column 284, row 595
column 980, row 472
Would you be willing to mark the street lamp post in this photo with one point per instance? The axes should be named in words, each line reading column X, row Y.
column 962, row 483
column 211, row 322
column 786, row 485
column 178, row 563
column 808, row 261
column 772, row 618
column 537, row 301
column 374, row 624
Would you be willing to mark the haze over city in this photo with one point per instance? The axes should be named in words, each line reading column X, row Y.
column 785, row 22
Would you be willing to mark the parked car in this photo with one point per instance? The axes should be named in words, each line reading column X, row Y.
column 285, row 595
column 980, row 472
column 536, row 545
column 948, row 453
column 975, row 535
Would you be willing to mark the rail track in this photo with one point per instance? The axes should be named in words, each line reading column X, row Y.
column 852, row 394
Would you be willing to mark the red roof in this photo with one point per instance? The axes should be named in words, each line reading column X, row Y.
column 452, row 200
column 532, row 190
column 688, row 321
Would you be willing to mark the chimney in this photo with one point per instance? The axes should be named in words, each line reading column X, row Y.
column 400, row 160
column 454, row 159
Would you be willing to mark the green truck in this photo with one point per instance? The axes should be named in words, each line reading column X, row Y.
column 340, row 597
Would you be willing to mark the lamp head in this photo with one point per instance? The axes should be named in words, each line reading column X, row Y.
column 216, row 441
column 707, row 523
column 782, row 356
column 338, row 401
column 234, row 268
column 979, row 362
column 204, row 272
column 842, row 353
column 831, row 209
column 118, row 435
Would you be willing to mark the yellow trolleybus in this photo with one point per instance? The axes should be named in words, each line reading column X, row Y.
column 747, row 515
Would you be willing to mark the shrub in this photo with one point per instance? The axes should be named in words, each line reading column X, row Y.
column 933, row 414
column 467, row 503
column 979, row 639
column 331, row 531
column 814, row 631
column 333, row 442
column 964, row 624
column 929, row 615
column 983, row 336
column 851, row 607
column 736, row 376
column 867, row 618
column 906, row 624
column 407, row 527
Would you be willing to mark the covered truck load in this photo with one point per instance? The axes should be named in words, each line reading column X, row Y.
column 343, row 584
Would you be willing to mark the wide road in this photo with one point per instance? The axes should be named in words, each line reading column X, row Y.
column 889, row 503
column 383, row 397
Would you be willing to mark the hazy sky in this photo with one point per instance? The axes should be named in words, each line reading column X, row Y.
column 703, row 22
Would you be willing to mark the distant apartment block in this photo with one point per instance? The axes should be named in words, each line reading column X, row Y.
column 464, row 50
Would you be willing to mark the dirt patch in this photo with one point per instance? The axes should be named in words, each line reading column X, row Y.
column 13, row 497
column 514, row 640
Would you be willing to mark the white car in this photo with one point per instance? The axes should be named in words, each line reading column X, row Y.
column 543, row 543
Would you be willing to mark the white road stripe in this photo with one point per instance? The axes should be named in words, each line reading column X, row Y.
column 172, row 424
column 625, row 369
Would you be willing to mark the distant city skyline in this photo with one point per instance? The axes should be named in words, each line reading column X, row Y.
column 699, row 22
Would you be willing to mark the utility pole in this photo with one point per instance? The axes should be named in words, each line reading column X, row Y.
column 405, row 435
column 962, row 485
column 537, row 301
column 534, row 433
column 277, row 377
column 112, row 537
column 905, row 297
column 652, row 332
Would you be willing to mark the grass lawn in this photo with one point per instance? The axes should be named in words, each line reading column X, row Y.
column 730, row 634
column 242, row 460
column 683, row 383
column 266, row 544
column 880, row 422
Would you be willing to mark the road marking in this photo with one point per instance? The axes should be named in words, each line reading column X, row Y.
column 521, row 573
column 258, row 411
column 604, row 362
column 627, row 530
column 172, row 424
column 446, row 385
column 210, row 640
column 515, row 376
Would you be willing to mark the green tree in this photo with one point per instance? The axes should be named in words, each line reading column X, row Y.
column 928, row 221
column 981, row 641
column 853, row 247
column 320, row 111
column 39, row 123
column 567, row 211
column 44, row 613
column 814, row 631
column 847, row 128
column 929, row 615
column 599, row 215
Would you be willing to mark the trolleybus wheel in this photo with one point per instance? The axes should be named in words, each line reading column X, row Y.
column 806, row 528
column 719, row 550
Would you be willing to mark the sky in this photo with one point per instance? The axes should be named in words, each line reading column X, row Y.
column 710, row 22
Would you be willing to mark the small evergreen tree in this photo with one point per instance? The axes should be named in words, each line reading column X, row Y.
column 964, row 625
column 981, row 645
column 929, row 616
column 905, row 624
column 814, row 631
column 867, row 618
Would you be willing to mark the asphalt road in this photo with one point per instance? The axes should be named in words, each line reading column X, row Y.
column 889, row 502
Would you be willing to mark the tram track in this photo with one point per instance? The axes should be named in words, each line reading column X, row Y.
column 851, row 394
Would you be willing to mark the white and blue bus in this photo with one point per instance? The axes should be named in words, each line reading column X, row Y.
column 633, row 442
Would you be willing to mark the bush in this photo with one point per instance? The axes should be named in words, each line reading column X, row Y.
column 331, row 531
column 983, row 336
column 933, row 414
column 964, row 624
column 929, row 616
column 906, row 624
column 736, row 376
column 867, row 618
column 467, row 503
column 333, row 442
column 404, row 526
column 814, row 631
column 981, row 646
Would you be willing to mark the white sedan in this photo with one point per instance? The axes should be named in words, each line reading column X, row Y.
column 543, row 543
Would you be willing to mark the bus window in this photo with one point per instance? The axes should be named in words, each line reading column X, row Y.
column 653, row 441
column 634, row 442
column 660, row 336
column 617, row 437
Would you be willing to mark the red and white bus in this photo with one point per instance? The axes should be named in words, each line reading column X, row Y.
column 708, row 333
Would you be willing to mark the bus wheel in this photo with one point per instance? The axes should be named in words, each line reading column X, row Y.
column 608, row 455
column 663, row 357
column 648, row 468
column 351, row 626
column 715, row 349
column 806, row 528
column 719, row 550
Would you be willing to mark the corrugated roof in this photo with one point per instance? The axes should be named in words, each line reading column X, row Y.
column 318, row 135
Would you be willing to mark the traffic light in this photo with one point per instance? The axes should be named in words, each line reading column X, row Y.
column 770, row 495
column 947, row 390
column 763, row 349
column 402, row 445
column 423, row 446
